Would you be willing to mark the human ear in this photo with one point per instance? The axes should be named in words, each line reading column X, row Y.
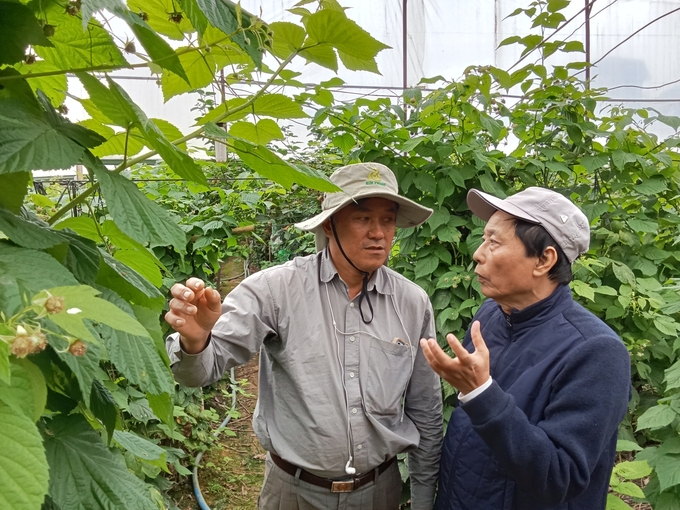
column 326, row 225
column 546, row 261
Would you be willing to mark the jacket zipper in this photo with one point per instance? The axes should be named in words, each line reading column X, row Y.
column 508, row 322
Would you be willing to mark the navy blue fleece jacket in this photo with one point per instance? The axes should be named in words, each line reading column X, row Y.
column 543, row 435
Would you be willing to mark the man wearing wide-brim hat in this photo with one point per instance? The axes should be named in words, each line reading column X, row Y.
column 344, row 386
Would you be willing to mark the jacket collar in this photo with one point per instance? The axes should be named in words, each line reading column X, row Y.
column 379, row 281
column 542, row 310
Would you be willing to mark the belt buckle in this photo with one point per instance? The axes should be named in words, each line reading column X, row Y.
column 342, row 486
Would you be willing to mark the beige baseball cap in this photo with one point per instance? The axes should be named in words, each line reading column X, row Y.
column 565, row 222
column 358, row 181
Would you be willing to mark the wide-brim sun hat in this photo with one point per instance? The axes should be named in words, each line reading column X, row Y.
column 359, row 181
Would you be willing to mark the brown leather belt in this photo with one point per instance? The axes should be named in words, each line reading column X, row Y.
column 349, row 485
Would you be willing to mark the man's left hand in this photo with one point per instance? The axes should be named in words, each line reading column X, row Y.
column 466, row 371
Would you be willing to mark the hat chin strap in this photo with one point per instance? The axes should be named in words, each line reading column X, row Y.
column 364, row 283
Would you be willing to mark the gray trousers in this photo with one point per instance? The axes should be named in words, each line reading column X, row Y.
column 282, row 491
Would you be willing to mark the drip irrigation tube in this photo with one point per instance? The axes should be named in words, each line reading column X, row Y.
column 194, row 475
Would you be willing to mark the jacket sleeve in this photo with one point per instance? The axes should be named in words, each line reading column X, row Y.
column 423, row 405
column 553, row 459
column 248, row 318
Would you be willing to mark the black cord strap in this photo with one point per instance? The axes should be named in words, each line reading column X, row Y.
column 364, row 283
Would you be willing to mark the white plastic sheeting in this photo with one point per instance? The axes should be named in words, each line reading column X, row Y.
column 446, row 36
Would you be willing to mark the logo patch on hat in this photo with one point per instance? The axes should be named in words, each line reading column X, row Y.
column 374, row 177
column 564, row 218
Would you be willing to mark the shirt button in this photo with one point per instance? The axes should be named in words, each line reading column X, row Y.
column 351, row 339
column 351, row 305
column 351, row 374
column 359, row 447
column 354, row 410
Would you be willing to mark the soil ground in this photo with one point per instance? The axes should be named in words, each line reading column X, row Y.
column 232, row 470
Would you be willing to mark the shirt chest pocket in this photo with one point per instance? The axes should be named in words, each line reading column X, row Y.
column 387, row 372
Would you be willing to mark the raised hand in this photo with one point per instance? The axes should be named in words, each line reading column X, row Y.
column 466, row 371
column 194, row 310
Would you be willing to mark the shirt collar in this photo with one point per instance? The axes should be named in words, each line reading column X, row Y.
column 380, row 280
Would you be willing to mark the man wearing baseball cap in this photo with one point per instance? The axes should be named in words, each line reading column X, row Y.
column 543, row 384
column 343, row 384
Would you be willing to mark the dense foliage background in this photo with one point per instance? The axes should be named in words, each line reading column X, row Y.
column 91, row 415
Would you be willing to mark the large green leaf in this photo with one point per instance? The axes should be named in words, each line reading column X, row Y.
column 140, row 262
column 356, row 47
column 81, row 303
column 195, row 15
column 162, row 407
column 114, row 107
column 82, row 225
column 136, row 358
column 178, row 161
column 223, row 14
column 277, row 106
column 656, row 417
column 200, row 69
column 117, row 238
column 89, row 7
column 54, row 86
column 141, row 447
column 13, row 188
column 103, row 406
column 27, row 391
column 127, row 282
column 137, row 216
column 288, row 38
column 26, row 233
column 82, row 257
column 85, row 475
column 269, row 165
column 18, row 28
column 24, row 271
column 159, row 13
column 261, row 133
column 29, row 142
column 23, row 466
column 158, row 49
column 83, row 367
column 76, row 48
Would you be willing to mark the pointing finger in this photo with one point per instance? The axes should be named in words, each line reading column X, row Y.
column 478, row 339
column 457, row 347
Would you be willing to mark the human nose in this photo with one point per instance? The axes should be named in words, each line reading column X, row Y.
column 478, row 255
column 375, row 230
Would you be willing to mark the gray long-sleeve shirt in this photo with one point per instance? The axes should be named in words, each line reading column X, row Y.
column 393, row 397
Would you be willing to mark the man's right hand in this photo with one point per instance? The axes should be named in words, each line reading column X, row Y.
column 194, row 310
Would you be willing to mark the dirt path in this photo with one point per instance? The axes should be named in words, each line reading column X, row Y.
column 232, row 470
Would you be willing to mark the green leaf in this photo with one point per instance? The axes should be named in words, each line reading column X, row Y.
column 633, row 470
column 510, row 40
column 27, row 271
column 592, row 163
column 426, row 266
column 128, row 283
column 583, row 289
column 573, row 46
column 13, row 189
column 82, row 225
column 162, row 407
column 26, row 233
column 141, row 447
column 643, row 225
column 200, row 68
column 345, row 142
column 29, row 142
column 357, row 48
column 5, row 372
column 557, row 5
column 81, row 302
column 656, row 417
column 623, row 445
column 140, row 262
column 672, row 376
column 652, row 186
column 623, row 273
column 324, row 55
column 670, row 120
column 137, row 359
column 75, row 48
column 156, row 47
column 18, row 29
column 23, row 466
column 27, row 392
column 84, row 474
column 288, row 38
column 615, row 503
column 82, row 257
column 439, row 217
column 223, row 15
column 667, row 469
column 53, row 86
column 89, row 7
column 261, row 133
column 158, row 12
column 103, row 406
column 136, row 215
column 277, row 106
column 195, row 15
column 270, row 165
